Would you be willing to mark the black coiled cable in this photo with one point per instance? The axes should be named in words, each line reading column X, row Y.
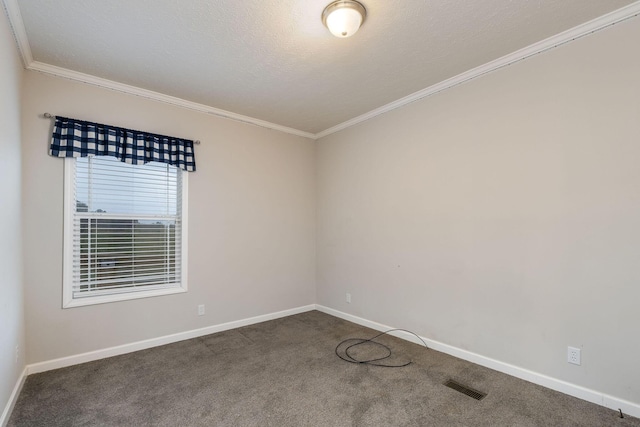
column 354, row 342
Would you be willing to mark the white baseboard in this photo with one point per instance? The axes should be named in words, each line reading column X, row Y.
column 4, row 419
column 155, row 342
column 574, row 390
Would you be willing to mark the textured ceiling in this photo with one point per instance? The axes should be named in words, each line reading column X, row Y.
column 274, row 60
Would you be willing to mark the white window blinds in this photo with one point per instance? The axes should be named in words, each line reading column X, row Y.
column 126, row 227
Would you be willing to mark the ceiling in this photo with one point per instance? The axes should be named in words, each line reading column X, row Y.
column 274, row 61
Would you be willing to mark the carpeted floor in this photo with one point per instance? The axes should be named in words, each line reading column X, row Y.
column 285, row 373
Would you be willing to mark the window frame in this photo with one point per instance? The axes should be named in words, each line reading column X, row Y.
column 68, row 301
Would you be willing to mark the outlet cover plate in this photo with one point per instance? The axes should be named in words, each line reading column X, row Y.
column 573, row 355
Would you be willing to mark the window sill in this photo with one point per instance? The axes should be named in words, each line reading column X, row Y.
column 80, row 302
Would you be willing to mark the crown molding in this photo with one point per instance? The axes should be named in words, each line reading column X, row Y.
column 17, row 25
column 19, row 33
column 156, row 96
column 568, row 36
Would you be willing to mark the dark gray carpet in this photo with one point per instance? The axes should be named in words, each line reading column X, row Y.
column 285, row 373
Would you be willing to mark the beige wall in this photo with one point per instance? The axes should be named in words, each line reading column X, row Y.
column 11, row 307
column 251, row 222
column 501, row 216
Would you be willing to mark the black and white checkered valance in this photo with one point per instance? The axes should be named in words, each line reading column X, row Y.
column 77, row 138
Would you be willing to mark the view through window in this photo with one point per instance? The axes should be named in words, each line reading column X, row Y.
column 126, row 229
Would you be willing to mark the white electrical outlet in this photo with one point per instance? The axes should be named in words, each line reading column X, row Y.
column 573, row 355
column 201, row 310
column 348, row 298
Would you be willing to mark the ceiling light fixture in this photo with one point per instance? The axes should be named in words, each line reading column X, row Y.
column 344, row 17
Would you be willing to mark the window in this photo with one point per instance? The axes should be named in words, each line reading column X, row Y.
column 125, row 230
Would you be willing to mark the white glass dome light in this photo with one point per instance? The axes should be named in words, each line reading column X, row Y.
column 344, row 17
